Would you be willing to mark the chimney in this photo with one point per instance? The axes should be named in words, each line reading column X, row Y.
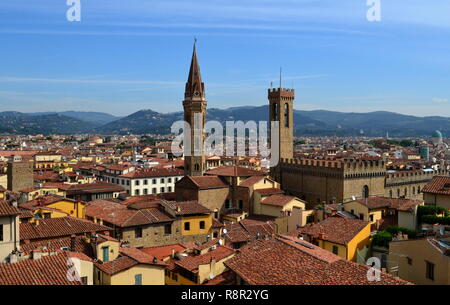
column 322, row 235
column 72, row 242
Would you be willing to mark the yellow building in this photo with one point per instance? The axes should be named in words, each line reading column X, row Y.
column 348, row 238
column 195, row 218
column 126, row 266
column 400, row 211
column 53, row 206
column 422, row 261
column 35, row 192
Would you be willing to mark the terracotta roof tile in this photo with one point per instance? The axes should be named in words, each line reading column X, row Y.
column 438, row 185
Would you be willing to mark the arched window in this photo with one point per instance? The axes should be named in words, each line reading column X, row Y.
column 286, row 115
column 414, row 190
column 398, row 193
column 390, row 193
column 275, row 112
column 196, row 167
column 365, row 191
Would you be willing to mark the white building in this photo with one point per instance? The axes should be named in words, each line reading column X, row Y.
column 149, row 181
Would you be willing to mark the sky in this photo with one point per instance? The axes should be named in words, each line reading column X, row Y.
column 125, row 56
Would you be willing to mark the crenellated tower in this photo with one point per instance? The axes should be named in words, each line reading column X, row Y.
column 281, row 103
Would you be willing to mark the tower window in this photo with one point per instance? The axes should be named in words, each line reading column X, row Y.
column 197, row 167
column 286, row 115
column 275, row 112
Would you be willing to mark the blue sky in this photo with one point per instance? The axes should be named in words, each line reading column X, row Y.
column 125, row 56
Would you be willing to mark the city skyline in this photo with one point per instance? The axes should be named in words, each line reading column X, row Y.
column 120, row 59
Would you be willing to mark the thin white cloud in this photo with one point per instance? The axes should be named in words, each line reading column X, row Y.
column 89, row 81
column 440, row 100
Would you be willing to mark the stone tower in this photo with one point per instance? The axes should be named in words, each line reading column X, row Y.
column 194, row 105
column 281, row 103
column 19, row 174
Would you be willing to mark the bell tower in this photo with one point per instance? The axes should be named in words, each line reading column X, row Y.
column 281, row 103
column 194, row 106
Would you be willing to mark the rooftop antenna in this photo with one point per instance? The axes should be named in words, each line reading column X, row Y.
column 280, row 77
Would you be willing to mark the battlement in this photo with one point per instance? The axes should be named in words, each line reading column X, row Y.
column 348, row 164
column 275, row 93
column 416, row 173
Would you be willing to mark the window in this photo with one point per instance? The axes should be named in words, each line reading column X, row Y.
column 154, row 181
column 47, row 215
column 216, row 214
column 162, row 190
column 227, row 203
column 105, row 252
column 286, row 115
column 371, row 217
column 84, row 280
column 353, row 212
column 196, row 166
column 429, row 270
column 187, row 226
column 138, row 279
column 169, row 180
column 335, row 250
column 202, row 225
column 136, row 182
column 162, row 180
column 145, row 191
column 409, row 260
column 390, row 193
column 1, row 232
column 275, row 112
column 361, row 216
column 168, row 229
column 241, row 204
column 138, row 232
column 145, row 182
column 136, row 192
column 215, row 234
column 169, row 189
column 365, row 191
column 154, row 190
column 128, row 182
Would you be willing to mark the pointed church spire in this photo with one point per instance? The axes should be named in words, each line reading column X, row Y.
column 194, row 85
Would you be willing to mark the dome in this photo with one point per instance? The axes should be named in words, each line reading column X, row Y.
column 437, row 134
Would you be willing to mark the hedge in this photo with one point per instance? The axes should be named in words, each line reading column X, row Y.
column 435, row 219
column 382, row 239
column 393, row 230
column 431, row 210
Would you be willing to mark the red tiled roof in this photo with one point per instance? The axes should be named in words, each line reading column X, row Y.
column 283, row 262
column 191, row 263
column 401, row 204
column 6, row 209
column 163, row 251
column 247, row 230
column 334, row 229
column 269, row 191
column 48, row 270
column 234, row 171
column 277, row 200
column 129, row 257
column 58, row 227
column 56, row 244
column 187, row 207
column 154, row 172
column 207, row 182
column 120, row 215
column 251, row 181
column 438, row 185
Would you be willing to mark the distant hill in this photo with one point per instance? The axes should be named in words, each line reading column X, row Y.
column 96, row 118
column 21, row 123
column 307, row 123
